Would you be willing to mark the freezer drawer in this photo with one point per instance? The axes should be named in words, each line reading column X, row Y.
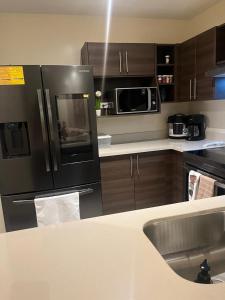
column 19, row 210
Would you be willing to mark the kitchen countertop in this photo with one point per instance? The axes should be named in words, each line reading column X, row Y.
column 104, row 258
column 157, row 145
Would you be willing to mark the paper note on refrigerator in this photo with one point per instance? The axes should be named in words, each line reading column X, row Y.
column 11, row 75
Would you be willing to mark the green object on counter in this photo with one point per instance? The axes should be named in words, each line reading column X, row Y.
column 97, row 103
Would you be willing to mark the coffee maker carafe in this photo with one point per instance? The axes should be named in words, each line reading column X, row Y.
column 196, row 127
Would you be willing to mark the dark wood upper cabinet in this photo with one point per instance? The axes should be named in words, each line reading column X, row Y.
column 190, row 61
column 121, row 60
column 220, row 45
column 186, row 69
column 94, row 54
column 205, row 61
column 195, row 57
column 139, row 59
column 153, row 179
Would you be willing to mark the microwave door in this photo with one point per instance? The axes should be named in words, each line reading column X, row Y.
column 117, row 101
column 149, row 99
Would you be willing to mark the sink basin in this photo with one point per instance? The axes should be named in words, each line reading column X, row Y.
column 184, row 242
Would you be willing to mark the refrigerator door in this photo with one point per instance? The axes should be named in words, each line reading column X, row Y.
column 24, row 147
column 19, row 210
column 69, row 95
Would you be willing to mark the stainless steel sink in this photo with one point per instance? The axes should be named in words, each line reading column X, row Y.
column 184, row 242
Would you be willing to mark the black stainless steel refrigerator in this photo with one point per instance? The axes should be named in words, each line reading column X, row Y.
column 48, row 140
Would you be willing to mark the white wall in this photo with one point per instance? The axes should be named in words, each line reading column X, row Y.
column 211, row 17
column 57, row 39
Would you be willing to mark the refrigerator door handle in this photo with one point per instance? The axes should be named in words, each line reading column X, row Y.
column 127, row 68
column 43, row 128
column 190, row 87
column 47, row 95
column 138, row 171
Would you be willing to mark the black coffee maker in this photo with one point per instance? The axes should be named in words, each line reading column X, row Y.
column 196, row 127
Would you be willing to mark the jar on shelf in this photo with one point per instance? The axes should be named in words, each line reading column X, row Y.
column 167, row 79
column 164, row 79
column 170, row 79
column 159, row 78
column 167, row 59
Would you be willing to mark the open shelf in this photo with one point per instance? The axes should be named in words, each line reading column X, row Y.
column 160, row 84
column 162, row 51
column 167, row 93
column 166, row 90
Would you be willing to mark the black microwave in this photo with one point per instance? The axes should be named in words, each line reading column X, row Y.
column 136, row 100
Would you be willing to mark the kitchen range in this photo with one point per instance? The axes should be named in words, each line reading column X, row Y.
column 208, row 162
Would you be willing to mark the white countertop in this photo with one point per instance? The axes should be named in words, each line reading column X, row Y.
column 105, row 258
column 157, row 145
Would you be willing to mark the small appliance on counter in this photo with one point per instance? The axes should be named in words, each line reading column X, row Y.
column 104, row 140
column 196, row 127
column 177, row 126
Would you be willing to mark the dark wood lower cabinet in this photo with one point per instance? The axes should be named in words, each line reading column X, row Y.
column 178, row 185
column 141, row 180
column 117, row 184
column 153, row 179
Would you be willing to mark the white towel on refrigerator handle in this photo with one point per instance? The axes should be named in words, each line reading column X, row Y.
column 57, row 209
column 193, row 183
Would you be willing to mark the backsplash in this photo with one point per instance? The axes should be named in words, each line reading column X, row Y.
column 214, row 110
column 140, row 127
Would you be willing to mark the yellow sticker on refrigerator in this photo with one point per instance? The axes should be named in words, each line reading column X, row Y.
column 11, row 75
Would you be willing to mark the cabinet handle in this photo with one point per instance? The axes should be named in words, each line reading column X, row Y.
column 50, row 118
column 131, row 166
column 126, row 54
column 190, row 89
column 195, row 88
column 138, row 171
column 120, row 57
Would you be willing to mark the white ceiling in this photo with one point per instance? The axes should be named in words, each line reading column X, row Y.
column 178, row 9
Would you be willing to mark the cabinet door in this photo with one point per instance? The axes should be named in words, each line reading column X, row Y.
column 139, row 59
column 24, row 148
column 95, row 54
column 72, row 124
column 205, row 61
column 154, row 179
column 186, row 67
column 117, row 184
column 178, row 177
